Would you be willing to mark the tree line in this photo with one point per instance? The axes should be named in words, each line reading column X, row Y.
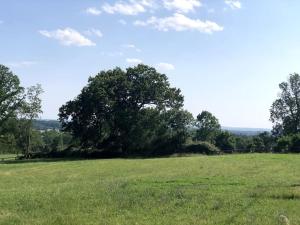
column 134, row 112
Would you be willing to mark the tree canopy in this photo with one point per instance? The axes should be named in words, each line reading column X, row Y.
column 208, row 126
column 285, row 111
column 11, row 94
column 117, row 108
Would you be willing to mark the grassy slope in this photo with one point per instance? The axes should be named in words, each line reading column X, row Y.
column 237, row 189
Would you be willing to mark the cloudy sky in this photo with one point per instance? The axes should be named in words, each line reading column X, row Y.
column 227, row 56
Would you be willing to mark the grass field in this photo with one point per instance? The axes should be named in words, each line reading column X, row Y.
column 7, row 157
column 235, row 189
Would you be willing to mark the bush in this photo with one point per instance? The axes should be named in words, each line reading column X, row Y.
column 295, row 144
column 202, row 148
column 283, row 144
column 226, row 141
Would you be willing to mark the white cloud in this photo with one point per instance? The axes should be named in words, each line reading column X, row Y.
column 22, row 64
column 234, row 4
column 95, row 32
column 147, row 3
column 93, row 11
column 131, row 8
column 165, row 66
column 133, row 61
column 68, row 37
column 179, row 22
column 183, row 6
column 123, row 22
column 131, row 46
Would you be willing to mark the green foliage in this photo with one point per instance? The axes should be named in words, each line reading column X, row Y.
column 285, row 111
column 295, row 144
column 37, row 143
column 55, row 141
column 32, row 104
column 178, row 122
column 283, row 144
column 225, row 141
column 289, row 143
column 14, row 135
column 17, row 111
column 257, row 145
column 11, row 94
column 208, row 127
column 268, row 141
column 243, row 143
column 30, row 110
column 10, row 134
column 263, row 142
column 125, row 110
column 202, row 148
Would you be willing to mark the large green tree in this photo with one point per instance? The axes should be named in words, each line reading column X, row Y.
column 11, row 94
column 285, row 111
column 121, row 109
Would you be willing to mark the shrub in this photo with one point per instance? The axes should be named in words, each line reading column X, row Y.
column 283, row 144
column 295, row 144
column 202, row 148
column 226, row 141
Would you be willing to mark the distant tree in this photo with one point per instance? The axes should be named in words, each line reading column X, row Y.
column 11, row 94
column 10, row 136
column 257, row 144
column 55, row 140
column 285, row 111
column 111, row 110
column 283, row 144
column 225, row 141
column 243, row 143
column 295, row 143
column 208, row 127
column 31, row 108
column 268, row 140
column 179, row 122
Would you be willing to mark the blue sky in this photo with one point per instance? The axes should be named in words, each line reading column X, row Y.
column 227, row 56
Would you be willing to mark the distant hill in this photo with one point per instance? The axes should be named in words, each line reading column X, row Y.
column 46, row 124
column 245, row 131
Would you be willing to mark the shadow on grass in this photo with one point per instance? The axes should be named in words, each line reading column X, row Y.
column 97, row 155
column 39, row 160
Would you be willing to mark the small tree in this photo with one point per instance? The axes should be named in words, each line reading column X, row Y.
column 31, row 108
column 208, row 127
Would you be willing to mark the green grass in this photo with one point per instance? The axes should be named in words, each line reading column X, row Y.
column 234, row 189
column 7, row 156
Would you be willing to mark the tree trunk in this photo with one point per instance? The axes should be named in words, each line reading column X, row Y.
column 28, row 141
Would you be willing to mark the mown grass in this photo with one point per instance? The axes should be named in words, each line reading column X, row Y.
column 235, row 189
column 7, row 157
